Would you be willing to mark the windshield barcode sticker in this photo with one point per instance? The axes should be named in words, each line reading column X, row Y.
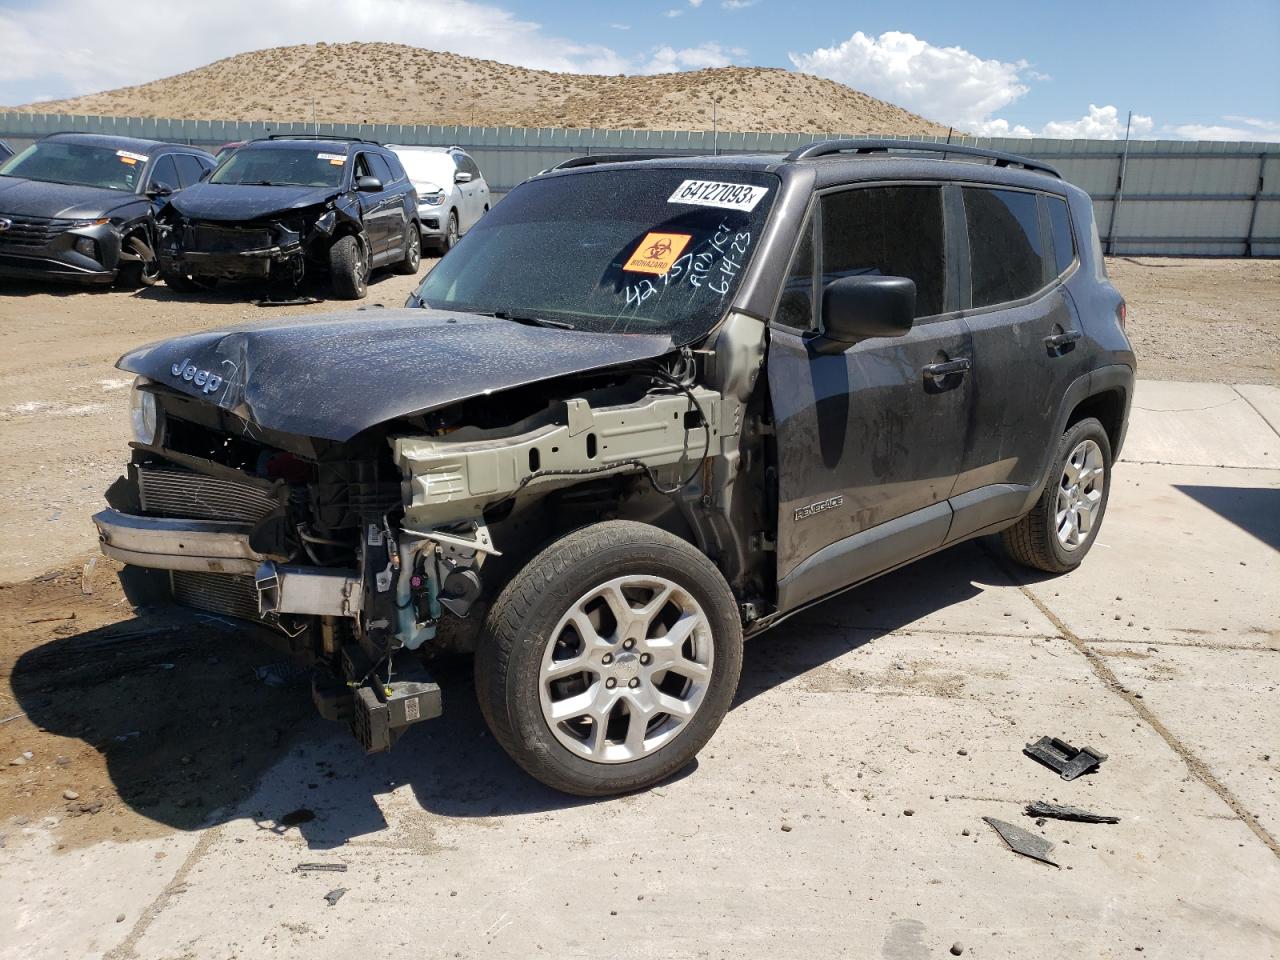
column 340, row 157
column 128, row 157
column 710, row 193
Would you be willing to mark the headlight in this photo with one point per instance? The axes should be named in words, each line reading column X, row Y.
column 433, row 199
column 144, row 413
column 81, row 224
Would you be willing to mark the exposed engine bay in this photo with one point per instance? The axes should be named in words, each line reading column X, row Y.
column 372, row 555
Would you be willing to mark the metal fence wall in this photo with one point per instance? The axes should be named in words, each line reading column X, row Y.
column 1203, row 198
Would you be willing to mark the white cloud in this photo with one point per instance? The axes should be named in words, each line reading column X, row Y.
column 620, row 26
column 667, row 59
column 674, row 13
column 1100, row 123
column 82, row 46
column 946, row 84
column 1236, row 128
column 695, row 3
column 738, row 4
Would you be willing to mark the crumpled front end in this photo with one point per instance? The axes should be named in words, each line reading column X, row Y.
column 277, row 248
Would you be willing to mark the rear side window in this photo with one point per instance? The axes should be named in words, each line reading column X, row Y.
column 1005, row 249
column 889, row 232
column 1064, row 248
column 397, row 171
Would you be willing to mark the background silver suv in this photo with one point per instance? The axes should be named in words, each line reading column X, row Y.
column 452, row 193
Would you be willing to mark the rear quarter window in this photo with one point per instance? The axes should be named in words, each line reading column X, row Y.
column 1064, row 248
column 1005, row 250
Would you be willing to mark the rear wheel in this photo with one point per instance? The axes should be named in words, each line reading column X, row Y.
column 349, row 267
column 1062, row 526
column 412, row 251
column 610, row 659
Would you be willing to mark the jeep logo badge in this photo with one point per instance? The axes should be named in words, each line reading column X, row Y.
column 5, row 224
column 186, row 370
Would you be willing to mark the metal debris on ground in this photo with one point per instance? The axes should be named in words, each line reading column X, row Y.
column 1020, row 841
column 333, row 896
column 1062, row 811
column 1063, row 758
column 320, row 868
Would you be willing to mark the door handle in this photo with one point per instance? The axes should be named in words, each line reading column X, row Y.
column 947, row 368
column 1056, row 342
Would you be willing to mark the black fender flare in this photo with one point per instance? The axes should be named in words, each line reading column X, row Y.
column 1113, row 377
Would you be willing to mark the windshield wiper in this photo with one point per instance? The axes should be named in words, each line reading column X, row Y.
column 532, row 321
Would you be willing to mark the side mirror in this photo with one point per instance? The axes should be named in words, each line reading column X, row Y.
column 859, row 308
column 462, row 177
column 159, row 189
column 368, row 184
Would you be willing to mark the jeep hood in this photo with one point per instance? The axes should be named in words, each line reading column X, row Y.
column 233, row 202
column 335, row 375
column 39, row 198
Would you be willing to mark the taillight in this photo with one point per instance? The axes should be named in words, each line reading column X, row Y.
column 1121, row 313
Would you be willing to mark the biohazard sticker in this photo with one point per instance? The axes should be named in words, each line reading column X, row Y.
column 657, row 253
column 131, row 158
column 712, row 193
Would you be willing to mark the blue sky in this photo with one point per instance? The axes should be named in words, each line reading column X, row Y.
column 1202, row 70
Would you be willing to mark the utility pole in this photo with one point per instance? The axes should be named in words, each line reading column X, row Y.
column 1115, row 206
column 315, row 124
column 715, row 133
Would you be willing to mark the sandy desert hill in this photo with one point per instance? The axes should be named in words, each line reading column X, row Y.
column 393, row 83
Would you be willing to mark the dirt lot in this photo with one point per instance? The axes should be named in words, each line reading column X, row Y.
column 63, row 411
column 1215, row 320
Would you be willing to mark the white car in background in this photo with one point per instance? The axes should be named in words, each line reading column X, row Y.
column 452, row 193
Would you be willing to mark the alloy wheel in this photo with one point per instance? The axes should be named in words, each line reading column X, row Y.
column 626, row 669
column 1080, row 490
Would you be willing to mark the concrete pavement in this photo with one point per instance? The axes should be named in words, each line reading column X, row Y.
column 837, row 813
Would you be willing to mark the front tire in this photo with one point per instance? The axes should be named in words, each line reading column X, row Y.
column 349, row 267
column 142, row 272
column 1063, row 525
column 610, row 659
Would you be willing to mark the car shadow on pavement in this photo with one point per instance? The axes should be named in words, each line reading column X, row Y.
column 1255, row 510
column 190, row 737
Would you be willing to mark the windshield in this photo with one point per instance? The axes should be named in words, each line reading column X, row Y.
column 423, row 167
column 82, row 164
column 613, row 251
column 287, row 167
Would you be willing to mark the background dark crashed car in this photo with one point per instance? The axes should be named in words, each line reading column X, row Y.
column 285, row 207
column 81, row 206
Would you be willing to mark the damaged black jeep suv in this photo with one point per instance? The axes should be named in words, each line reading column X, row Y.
column 287, row 206
column 642, row 411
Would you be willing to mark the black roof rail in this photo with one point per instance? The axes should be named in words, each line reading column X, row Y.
column 826, row 148
column 593, row 159
column 317, row 136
